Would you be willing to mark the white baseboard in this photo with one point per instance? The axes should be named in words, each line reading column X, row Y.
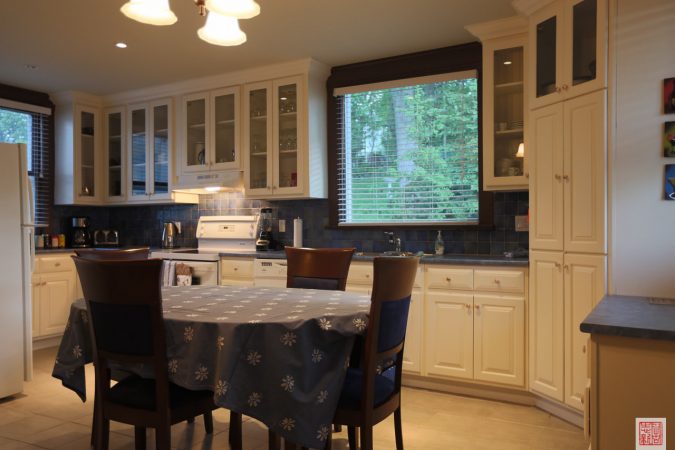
column 48, row 342
column 561, row 411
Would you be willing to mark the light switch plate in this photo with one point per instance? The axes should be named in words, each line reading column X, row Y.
column 522, row 223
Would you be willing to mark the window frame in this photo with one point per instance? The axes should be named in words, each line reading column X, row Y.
column 432, row 62
column 15, row 97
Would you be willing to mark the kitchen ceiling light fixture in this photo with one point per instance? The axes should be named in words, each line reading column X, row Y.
column 241, row 9
column 221, row 30
column 121, row 45
column 222, row 22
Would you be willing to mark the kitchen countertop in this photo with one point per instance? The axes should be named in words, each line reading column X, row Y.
column 635, row 317
column 453, row 259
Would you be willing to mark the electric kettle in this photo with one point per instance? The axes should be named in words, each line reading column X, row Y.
column 169, row 233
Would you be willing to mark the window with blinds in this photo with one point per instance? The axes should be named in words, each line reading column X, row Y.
column 408, row 151
column 33, row 129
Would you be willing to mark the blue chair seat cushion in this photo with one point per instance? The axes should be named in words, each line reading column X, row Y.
column 137, row 392
column 352, row 389
column 325, row 284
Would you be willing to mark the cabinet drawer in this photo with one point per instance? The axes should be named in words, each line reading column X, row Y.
column 56, row 263
column 237, row 268
column 499, row 280
column 445, row 278
column 360, row 273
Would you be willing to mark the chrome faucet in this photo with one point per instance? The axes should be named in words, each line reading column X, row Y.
column 394, row 240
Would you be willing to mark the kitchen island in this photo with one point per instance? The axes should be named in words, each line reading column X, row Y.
column 632, row 368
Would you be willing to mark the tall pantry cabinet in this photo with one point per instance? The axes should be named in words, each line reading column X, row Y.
column 568, row 188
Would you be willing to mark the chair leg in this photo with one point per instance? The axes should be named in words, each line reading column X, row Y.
column 102, row 433
column 337, row 428
column 351, row 435
column 273, row 440
column 163, row 437
column 329, row 443
column 191, row 420
column 397, row 429
column 139, row 438
column 208, row 422
column 94, row 421
column 367, row 437
column 234, row 435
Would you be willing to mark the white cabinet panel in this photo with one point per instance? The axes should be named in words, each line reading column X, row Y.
column 413, row 335
column 57, row 292
column 449, row 334
column 499, row 280
column 546, row 324
column 499, row 339
column 441, row 277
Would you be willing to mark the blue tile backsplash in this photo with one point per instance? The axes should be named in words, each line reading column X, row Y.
column 142, row 225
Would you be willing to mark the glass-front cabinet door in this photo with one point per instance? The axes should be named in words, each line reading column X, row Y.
column 195, row 157
column 568, row 40
column 286, row 139
column 224, row 130
column 86, row 136
column 114, row 154
column 504, row 111
column 258, row 138
column 161, row 149
column 138, row 150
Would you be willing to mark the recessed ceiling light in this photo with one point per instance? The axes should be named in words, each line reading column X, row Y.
column 121, row 45
column 507, row 63
column 30, row 66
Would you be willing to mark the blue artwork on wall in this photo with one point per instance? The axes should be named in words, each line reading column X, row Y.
column 670, row 181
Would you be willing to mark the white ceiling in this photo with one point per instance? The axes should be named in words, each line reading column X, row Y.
column 72, row 42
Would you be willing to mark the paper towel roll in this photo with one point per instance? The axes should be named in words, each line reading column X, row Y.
column 297, row 232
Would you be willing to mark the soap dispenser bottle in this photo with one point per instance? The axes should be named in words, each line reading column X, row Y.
column 439, row 247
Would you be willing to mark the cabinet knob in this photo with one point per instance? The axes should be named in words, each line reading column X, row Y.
column 269, row 187
column 448, row 279
column 367, row 276
column 583, row 349
column 558, row 89
column 527, row 174
column 58, row 264
column 566, row 177
column 567, row 267
column 468, row 306
column 236, row 268
column 557, row 265
column 477, row 307
column 557, row 176
column 497, row 281
column 565, row 87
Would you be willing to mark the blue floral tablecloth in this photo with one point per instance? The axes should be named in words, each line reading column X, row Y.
column 275, row 354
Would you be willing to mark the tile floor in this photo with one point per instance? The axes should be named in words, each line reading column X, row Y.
column 49, row 416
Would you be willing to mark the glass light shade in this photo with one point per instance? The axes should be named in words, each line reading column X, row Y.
column 152, row 12
column 221, row 30
column 521, row 151
column 241, row 9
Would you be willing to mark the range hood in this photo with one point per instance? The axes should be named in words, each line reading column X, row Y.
column 210, row 182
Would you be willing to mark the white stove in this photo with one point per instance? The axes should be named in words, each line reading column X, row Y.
column 215, row 235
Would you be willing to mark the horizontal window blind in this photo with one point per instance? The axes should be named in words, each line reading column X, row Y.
column 33, row 129
column 408, row 154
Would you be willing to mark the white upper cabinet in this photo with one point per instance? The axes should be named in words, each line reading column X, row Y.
column 149, row 151
column 504, row 113
column 210, row 145
column 78, row 150
column 284, row 137
column 114, row 155
column 568, row 47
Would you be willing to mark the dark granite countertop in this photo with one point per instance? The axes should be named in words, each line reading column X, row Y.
column 636, row 317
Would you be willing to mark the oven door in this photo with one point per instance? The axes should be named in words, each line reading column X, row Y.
column 204, row 273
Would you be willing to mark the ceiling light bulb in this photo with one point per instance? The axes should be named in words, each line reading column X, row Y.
column 240, row 9
column 521, row 151
column 121, row 45
column 152, row 12
column 507, row 63
column 221, row 30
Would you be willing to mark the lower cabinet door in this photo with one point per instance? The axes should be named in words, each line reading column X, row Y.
column 35, row 300
column 499, row 339
column 449, row 334
column 57, row 291
column 546, row 343
column 413, row 336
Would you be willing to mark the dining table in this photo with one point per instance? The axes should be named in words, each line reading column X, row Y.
column 278, row 355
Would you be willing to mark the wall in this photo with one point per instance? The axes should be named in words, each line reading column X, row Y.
column 142, row 225
column 643, row 247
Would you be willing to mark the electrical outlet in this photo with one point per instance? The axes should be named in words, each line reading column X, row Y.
column 282, row 226
column 522, row 223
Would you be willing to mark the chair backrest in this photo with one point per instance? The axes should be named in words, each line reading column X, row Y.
column 318, row 268
column 394, row 277
column 124, row 305
column 114, row 255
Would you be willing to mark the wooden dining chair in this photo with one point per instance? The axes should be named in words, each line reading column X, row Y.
column 318, row 268
column 126, row 254
column 372, row 390
column 124, row 305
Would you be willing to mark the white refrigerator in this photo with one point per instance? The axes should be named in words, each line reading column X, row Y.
column 17, row 247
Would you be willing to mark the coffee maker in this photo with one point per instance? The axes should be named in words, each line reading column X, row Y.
column 265, row 238
column 80, row 236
